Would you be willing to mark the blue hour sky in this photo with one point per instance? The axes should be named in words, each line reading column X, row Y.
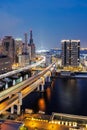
column 50, row 20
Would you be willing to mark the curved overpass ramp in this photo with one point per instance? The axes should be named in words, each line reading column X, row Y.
column 23, row 68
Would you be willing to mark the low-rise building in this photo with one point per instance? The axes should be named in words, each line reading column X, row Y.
column 23, row 60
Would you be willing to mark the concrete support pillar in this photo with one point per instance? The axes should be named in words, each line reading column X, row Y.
column 14, row 82
column 12, row 110
column 38, row 88
column 20, row 98
column 26, row 76
column 21, row 79
column 42, row 88
column 49, row 79
column 19, row 103
column 18, row 109
column 53, row 74
column 55, row 69
column 46, row 79
column 6, row 85
column 9, row 96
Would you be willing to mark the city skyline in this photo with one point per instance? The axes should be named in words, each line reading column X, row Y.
column 50, row 21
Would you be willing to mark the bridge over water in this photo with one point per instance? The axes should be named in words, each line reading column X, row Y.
column 13, row 96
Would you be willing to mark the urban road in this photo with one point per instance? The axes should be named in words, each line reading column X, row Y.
column 32, row 125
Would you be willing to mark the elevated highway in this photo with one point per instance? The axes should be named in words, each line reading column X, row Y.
column 24, row 88
column 16, row 88
column 23, row 69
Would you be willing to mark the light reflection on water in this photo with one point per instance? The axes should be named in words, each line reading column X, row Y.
column 48, row 93
column 63, row 96
column 42, row 104
column 69, row 99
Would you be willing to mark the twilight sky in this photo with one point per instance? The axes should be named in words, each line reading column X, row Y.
column 50, row 20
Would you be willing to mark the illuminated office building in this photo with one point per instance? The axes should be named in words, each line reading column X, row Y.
column 19, row 46
column 70, row 52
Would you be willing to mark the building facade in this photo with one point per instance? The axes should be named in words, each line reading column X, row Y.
column 9, row 47
column 5, row 64
column 23, row 60
column 70, row 52
column 48, row 59
column 18, row 48
column 32, row 45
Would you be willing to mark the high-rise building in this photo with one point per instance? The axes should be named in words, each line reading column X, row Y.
column 19, row 46
column 24, row 57
column 32, row 45
column 31, row 37
column 25, row 46
column 26, row 41
column 70, row 52
column 9, row 47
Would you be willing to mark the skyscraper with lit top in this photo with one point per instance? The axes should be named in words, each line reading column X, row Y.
column 31, row 45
